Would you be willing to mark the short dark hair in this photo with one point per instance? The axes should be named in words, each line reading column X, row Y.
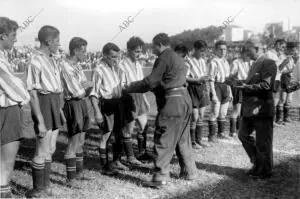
column 199, row 44
column 280, row 41
column 7, row 25
column 292, row 44
column 134, row 42
column 108, row 47
column 181, row 48
column 161, row 39
column 220, row 43
column 47, row 33
column 76, row 43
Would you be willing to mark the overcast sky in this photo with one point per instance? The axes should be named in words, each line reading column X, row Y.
column 98, row 21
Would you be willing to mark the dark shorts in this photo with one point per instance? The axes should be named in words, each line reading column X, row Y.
column 237, row 95
column 277, row 86
column 222, row 91
column 199, row 95
column 285, row 81
column 76, row 113
column 11, row 124
column 50, row 109
column 117, row 113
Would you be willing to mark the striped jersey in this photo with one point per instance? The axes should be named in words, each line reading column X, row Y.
column 296, row 71
column 240, row 68
column 44, row 74
column 218, row 70
column 196, row 67
column 279, row 58
column 133, row 71
column 72, row 78
column 108, row 81
column 12, row 89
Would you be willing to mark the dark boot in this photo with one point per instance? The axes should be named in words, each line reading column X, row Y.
column 79, row 168
column 212, row 126
column 199, row 133
column 286, row 113
column 71, row 173
column 221, row 129
column 140, row 141
column 38, row 180
column 47, row 172
column 129, row 152
column 103, row 156
column 193, row 138
column 5, row 191
column 279, row 115
column 145, row 156
column 233, row 125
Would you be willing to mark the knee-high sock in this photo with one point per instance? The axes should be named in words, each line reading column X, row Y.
column 71, row 168
column 79, row 162
column 38, row 174
column 47, row 172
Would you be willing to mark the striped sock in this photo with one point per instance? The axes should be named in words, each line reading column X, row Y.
column 79, row 162
column 5, row 191
column 38, row 176
column 71, row 168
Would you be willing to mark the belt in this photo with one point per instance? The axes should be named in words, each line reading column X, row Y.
column 175, row 89
column 169, row 92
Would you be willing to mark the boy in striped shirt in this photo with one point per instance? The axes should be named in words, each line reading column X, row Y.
column 13, row 96
column 45, row 87
column 132, row 68
column 221, row 95
column 238, row 72
column 196, row 78
column 110, row 114
column 75, row 109
column 283, row 67
column 292, row 52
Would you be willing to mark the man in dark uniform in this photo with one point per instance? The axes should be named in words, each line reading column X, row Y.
column 258, row 112
column 167, row 81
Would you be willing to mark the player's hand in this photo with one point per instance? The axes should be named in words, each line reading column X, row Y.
column 42, row 130
column 203, row 79
column 230, row 97
column 214, row 99
column 241, row 86
column 62, row 117
column 87, row 84
column 99, row 119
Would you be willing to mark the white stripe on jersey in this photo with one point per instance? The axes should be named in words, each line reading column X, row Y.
column 107, row 81
column 240, row 69
column 196, row 67
column 73, row 76
column 133, row 71
column 12, row 89
column 219, row 70
column 43, row 74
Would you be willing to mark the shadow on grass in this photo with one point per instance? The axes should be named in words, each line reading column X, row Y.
column 283, row 184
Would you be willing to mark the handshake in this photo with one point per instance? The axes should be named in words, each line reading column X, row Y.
column 232, row 81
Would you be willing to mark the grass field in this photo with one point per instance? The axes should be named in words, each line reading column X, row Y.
column 221, row 170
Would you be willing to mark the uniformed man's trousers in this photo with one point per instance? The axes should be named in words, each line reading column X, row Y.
column 260, row 149
column 173, row 134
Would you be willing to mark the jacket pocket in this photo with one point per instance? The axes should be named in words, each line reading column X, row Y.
column 175, row 106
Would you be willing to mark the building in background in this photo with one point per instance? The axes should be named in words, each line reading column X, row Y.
column 233, row 33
